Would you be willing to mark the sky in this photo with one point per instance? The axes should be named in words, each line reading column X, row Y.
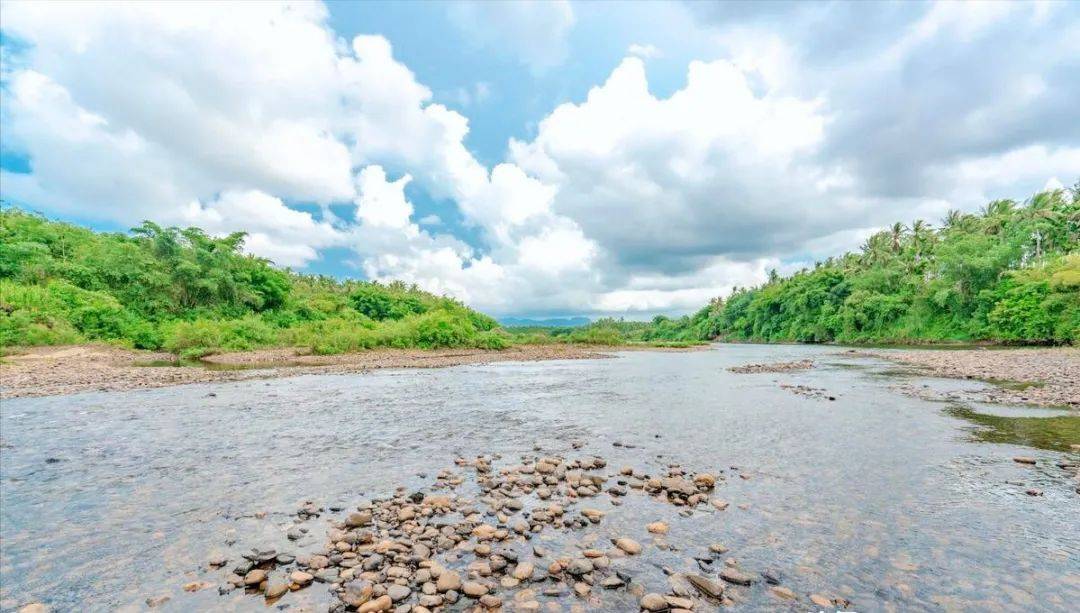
column 537, row 158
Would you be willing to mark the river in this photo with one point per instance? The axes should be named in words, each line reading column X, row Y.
column 891, row 502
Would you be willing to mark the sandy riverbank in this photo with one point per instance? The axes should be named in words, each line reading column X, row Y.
column 51, row 371
column 1047, row 376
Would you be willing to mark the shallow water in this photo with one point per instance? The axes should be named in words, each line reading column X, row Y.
column 892, row 502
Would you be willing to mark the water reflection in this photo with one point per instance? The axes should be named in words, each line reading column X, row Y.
column 1055, row 431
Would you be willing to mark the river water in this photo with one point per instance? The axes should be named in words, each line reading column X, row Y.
column 880, row 498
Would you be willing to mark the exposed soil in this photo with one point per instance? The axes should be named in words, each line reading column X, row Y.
column 1041, row 376
column 51, row 371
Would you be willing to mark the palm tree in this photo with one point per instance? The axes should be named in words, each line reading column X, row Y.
column 896, row 236
column 921, row 235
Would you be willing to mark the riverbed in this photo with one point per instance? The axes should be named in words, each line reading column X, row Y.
column 855, row 490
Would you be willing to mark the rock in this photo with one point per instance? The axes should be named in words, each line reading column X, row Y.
column 34, row 607
column 593, row 515
column 612, row 583
column 448, row 581
column 705, row 481
column 523, row 571
column 706, row 586
column 491, row 601
column 718, row 548
column 1024, row 460
column 474, row 589
column 195, row 586
column 357, row 592
column 735, row 576
column 657, row 527
column 157, row 601
column 782, row 592
column 679, row 604
column 255, row 577
column 628, row 545
column 358, row 519
column 216, row 562
column 579, row 566
column 382, row 603
column 720, row 504
column 276, row 590
column 653, row 602
column 398, row 593
column 821, row 601
column 1034, row 492
column 772, row 576
column 301, row 578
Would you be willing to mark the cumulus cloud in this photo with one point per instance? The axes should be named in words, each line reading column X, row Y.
column 129, row 111
column 785, row 143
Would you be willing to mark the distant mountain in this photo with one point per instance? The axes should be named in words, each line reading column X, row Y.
column 557, row 322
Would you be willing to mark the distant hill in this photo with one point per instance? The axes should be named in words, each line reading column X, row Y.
column 557, row 322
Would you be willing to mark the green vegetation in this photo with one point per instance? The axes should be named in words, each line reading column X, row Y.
column 1009, row 274
column 193, row 294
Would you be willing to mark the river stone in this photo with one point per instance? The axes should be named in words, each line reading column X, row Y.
column 382, row 603
column 523, row 571
column 705, row 480
column 301, row 578
column 1024, row 460
column 653, row 602
column 612, row 583
column 579, row 566
column 737, row 577
column 255, row 577
column 398, row 593
column 276, row 590
column 706, row 586
column 360, row 518
column 357, row 592
column 782, row 592
column 821, row 601
column 657, row 527
column 474, row 589
column 628, row 545
column 448, row 581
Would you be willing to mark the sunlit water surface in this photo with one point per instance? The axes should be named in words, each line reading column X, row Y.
column 891, row 502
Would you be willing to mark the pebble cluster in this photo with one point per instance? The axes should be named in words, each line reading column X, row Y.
column 773, row 367
column 442, row 550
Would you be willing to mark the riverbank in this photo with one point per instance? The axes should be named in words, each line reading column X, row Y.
column 1047, row 376
column 54, row 371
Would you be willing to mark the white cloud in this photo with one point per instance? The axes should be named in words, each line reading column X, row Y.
column 625, row 202
column 535, row 31
column 643, row 51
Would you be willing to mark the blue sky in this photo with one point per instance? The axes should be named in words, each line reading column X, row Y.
column 537, row 158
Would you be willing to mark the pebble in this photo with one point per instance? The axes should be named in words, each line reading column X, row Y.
column 657, row 527
column 474, row 589
column 737, row 577
column 628, row 545
column 782, row 592
column 653, row 602
column 1024, row 460
column 276, row 590
column 255, row 577
column 301, row 578
column 398, row 593
column 448, row 581
column 382, row 603
column 706, row 586
column 821, row 601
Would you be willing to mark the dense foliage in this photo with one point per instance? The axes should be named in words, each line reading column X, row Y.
column 191, row 294
column 1008, row 274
